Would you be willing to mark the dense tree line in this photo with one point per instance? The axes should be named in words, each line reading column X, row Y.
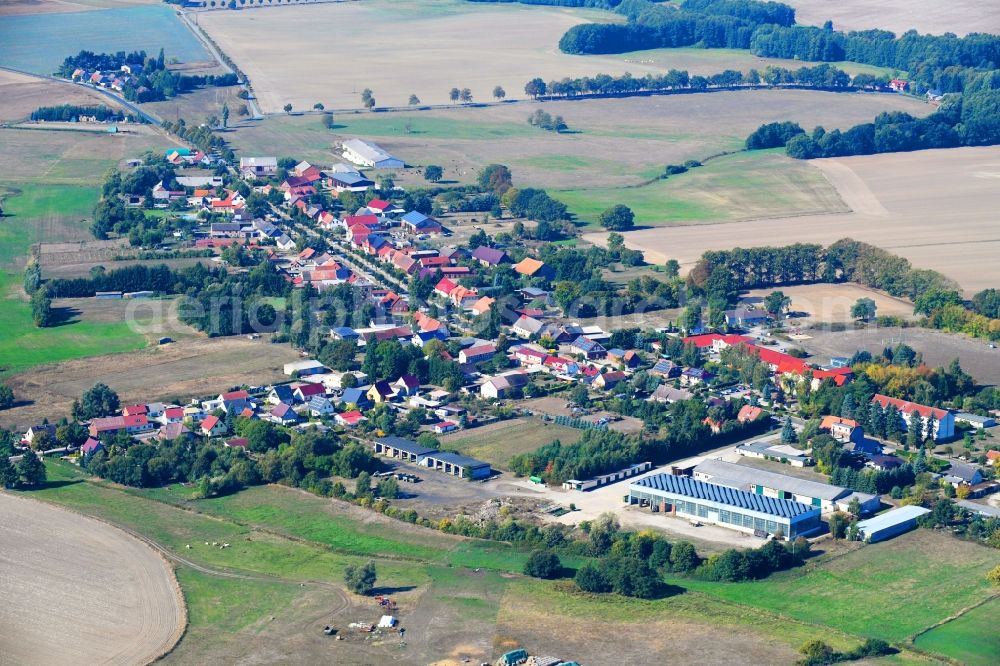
column 162, row 279
column 972, row 119
column 772, row 135
column 944, row 62
column 69, row 112
column 597, row 4
column 823, row 76
column 845, row 261
column 709, row 23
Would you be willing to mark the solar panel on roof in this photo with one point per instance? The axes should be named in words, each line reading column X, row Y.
column 683, row 485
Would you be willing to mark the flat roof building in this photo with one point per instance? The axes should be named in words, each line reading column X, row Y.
column 781, row 486
column 456, row 464
column 891, row 523
column 733, row 508
column 404, row 449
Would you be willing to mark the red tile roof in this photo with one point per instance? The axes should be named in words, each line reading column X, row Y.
column 906, row 407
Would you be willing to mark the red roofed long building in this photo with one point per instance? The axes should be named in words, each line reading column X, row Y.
column 943, row 420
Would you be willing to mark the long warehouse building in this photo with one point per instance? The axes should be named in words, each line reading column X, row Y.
column 736, row 509
column 782, row 486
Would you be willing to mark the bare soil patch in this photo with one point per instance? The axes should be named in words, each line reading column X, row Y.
column 925, row 16
column 937, row 347
column 181, row 370
column 77, row 590
column 831, row 303
column 934, row 207
column 20, row 95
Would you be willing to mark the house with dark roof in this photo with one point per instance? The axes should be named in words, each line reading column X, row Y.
column 666, row 368
column 589, row 349
column 283, row 414
column 381, row 391
column 489, row 256
column 355, row 396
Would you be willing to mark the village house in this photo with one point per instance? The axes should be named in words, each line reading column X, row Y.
column 488, row 256
column 532, row 268
column 349, row 419
column 282, row 414
column 937, row 423
column 258, row 167
column 212, row 426
column 381, row 391
column 589, row 349
column 500, row 387
column 477, row 353
column 841, row 429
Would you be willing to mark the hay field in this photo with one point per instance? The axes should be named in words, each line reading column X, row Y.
column 77, row 590
column 20, row 95
column 934, row 207
column 926, row 16
column 614, row 142
column 831, row 303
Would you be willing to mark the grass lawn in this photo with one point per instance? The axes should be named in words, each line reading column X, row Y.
column 498, row 443
column 972, row 639
column 890, row 590
column 740, row 186
column 304, row 516
column 35, row 214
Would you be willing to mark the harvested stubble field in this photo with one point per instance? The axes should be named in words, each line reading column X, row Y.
column 497, row 443
column 20, row 95
column 925, row 16
column 77, row 590
column 427, row 48
column 831, row 303
column 190, row 367
column 613, row 145
column 934, row 207
column 938, row 348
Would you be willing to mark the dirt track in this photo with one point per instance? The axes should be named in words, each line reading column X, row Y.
column 78, row 591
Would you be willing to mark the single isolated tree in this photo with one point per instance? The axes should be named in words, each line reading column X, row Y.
column 499, row 93
column 618, row 218
column 360, row 579
column 225, row 115
column 542, row 564
column 776, row 302
column 287, row 108
column 433, row 173
column 318, row 106
column 466, row 96
column 454, row 94
column 414, row 100
column 31, row 470
column 788, row 434
column 864, row 309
